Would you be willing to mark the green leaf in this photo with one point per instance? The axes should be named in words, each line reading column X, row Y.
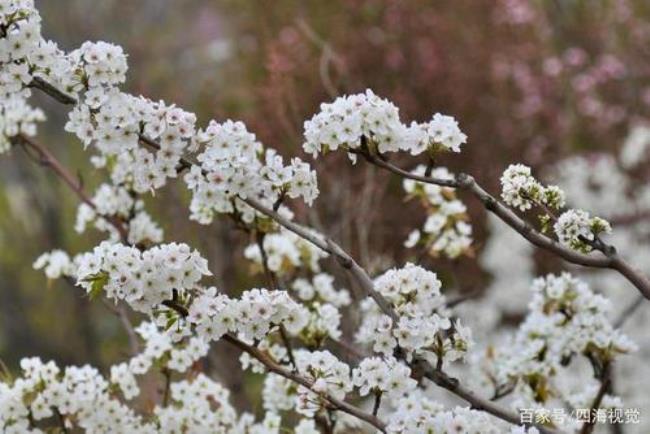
column 170, row 322
column 98, row 281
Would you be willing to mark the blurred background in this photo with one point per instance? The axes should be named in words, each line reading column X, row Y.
column 529, row 81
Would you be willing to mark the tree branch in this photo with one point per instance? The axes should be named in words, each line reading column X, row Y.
column 468, row 183
column 453, row 385
column 605, row 382
column 274, row 283
column 47, row 159
column 360, row 275
column 278, row 369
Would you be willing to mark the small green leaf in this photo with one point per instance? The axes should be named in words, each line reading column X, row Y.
column 170, row 322
column 98, row 281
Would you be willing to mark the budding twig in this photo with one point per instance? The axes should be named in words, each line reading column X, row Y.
column 468, row 183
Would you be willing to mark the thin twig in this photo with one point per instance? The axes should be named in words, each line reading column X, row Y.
column 453, row 385
column 350, row 350
column 288, row 346
column 121, row 314
column 629, row 311
column 47, row 159
column 168, row 379
column 328, row 56
column 61, row 420
column 463, row 297
column 274, row 283
column 375, row 408
column 605, row 382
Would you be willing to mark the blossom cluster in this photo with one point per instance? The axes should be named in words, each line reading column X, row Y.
column 521, row 190
column 233, row 164
column 566, row 320
column 424, row 325
column 118, row 203
column 141, row 142
column 55, row 264
column 320, row 289
column 159, row 350
column 578, row 230
column 81, row 394
column 81, row 398
column 366, row 119
column 417, row 414
column 280, row 394
column 21, row 51
column 575, row 229
column 163, row 282
column 329, row 376
column 285, row 252
column 251, row 316
column 446, row 230
column 98, row 64
column 114, row 123
column 440, row 133
column 143, row 279
column 377, row 375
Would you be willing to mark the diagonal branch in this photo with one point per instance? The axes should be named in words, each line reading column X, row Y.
column 605, row 383
column 453, row 385
column 467, row 183
column 328, row 245
column 278, row 369
column 46, row 158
